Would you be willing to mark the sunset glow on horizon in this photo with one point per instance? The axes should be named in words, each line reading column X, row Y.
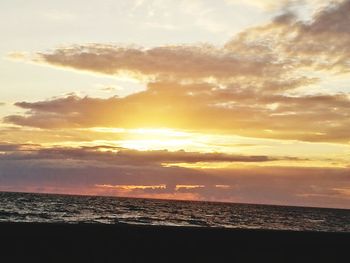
column 192, row 100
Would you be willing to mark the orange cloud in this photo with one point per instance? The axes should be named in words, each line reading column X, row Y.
column 186, row 187
column 196, row 107
column 131, row 187
column 223, row 186
column 251, row 82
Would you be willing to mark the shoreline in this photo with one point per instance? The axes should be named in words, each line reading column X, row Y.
column 180, row 200
column 51, row 242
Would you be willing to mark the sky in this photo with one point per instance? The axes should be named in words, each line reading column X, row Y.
column 228, row 101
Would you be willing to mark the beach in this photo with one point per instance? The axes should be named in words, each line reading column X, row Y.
column 45, row 242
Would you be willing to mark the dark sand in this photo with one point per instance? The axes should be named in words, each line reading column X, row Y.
column 21, row 242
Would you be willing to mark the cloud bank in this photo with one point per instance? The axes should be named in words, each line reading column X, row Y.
column 122, row 173
column 253, row 83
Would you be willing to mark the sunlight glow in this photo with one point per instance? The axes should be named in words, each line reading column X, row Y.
column 143, row 131
column 154, row 144
column 131, row 187
column 187, row 187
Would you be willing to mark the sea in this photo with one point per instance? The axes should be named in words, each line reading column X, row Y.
column 71, row 209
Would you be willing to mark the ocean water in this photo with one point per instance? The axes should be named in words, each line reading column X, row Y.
column 26, row 207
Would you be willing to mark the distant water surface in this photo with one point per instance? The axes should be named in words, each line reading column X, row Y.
column 25, row 207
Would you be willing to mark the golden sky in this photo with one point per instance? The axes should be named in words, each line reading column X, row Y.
column 196, row 100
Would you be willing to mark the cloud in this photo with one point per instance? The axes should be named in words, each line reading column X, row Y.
column 5, row 147
column 252, row 82
column 273, row 6
column 274, row 51
column 196, row 107
column 18, row 55
column 179, row 187
column 318, row 45
column 131, row 187
column 121, row 156
column 271, row 185
column 107, row 170
column 266, row 4
column 168, row 63
column 110, row 88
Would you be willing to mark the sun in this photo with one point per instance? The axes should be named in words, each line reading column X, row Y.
column 144, row 139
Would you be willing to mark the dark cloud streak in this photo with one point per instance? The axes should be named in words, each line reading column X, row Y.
column 118, row 155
